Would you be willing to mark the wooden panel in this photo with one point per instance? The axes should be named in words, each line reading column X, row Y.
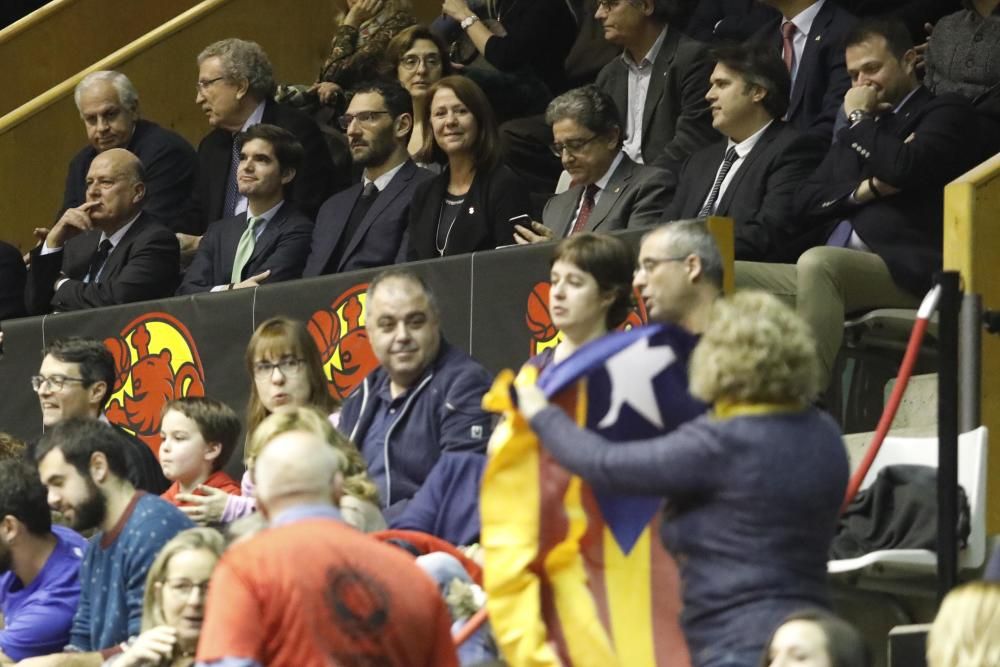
column 38, row 139
column 95, row 28
column 972, row 247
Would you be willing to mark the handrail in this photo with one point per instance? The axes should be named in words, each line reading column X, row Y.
column 29, row 21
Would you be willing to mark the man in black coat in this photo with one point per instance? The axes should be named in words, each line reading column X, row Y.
column 753, row 173
column 270, row 240
column 875, row 202
column 109, row 107
column 106, row 251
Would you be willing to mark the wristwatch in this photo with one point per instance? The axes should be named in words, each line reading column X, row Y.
column 468, row 21
column 857, row 116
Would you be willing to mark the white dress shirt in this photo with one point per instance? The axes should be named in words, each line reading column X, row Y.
column 742, row 150
column 639, row 76
column 803, row 25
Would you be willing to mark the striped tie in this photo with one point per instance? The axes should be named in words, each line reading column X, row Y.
column 727, row 162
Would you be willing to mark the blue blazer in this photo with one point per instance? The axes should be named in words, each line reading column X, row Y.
column 281, row 249
column 380, row 238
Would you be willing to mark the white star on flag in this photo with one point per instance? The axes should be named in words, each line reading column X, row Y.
column 631, row 372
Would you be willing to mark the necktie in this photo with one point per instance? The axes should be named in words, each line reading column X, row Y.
column 232, row 189
column 787, row 48
column 588, row 205
column 97, row 261
column 727, row 163
column 244, row 249
column 361, row 206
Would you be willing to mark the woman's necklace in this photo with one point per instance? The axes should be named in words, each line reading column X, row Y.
column 447, row 235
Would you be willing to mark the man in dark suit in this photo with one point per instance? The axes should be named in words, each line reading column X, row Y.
column 876, row 200
column 270, row 240
column 235, row 90
column 609, row 190
column 809, row 35
column 106, row 251
column 109, row 107
column 752, row 174
column 12, row 277
column 365, row 225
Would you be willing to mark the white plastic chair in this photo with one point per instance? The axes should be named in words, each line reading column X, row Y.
column 972, row 453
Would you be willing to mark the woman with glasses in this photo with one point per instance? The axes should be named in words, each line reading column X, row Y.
column 476, row 201
column 287, row 373
column 590, row 293
column 173, row 606
column 419, row 58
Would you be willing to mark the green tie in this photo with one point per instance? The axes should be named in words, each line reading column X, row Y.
column 245, row 248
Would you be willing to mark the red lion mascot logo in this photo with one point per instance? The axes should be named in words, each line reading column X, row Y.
column 339, row 334
column 156, row 361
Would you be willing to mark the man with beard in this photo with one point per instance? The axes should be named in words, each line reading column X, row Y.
column 82, row 463
column 39, row 562
column 364, row 226
column 270, row 240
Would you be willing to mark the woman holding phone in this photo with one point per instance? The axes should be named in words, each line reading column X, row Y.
column 471, row 204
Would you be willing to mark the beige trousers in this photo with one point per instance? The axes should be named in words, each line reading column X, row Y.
column 824, row 286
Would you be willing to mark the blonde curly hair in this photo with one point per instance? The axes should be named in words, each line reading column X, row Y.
column 755, row 350
column 966, row 630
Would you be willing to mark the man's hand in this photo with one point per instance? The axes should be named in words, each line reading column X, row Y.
column 456, row 9
column 921, row 49
column 538, row 233
column 362, row 11
column 206, row 507
column 326, row 91
column 253, row 281
column 72, row 222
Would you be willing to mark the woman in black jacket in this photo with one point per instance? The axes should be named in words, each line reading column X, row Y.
column 476, row 201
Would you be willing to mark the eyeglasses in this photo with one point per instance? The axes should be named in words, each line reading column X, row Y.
column 574, row 146
column 363, row 117
column 649, row 264
column 54, row 382
column 432, row 61
column 289, row 366
column 202, row 85
column 183, row 587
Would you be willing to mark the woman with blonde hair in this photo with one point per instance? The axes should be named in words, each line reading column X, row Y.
column 753, row 488
column 171, row 616
column 966, row 630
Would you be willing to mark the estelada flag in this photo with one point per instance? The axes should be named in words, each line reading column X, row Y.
column 576, row 576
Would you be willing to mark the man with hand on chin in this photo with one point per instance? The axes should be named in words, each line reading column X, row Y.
column 106, row 251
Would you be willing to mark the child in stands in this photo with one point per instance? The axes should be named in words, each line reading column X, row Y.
column 199, row 435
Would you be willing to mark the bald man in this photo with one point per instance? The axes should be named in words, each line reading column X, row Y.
column 106, row 251
column 311, row 590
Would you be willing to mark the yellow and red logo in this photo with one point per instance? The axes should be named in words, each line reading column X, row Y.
column 544, row 333
column 339, row 333
column 156, row 361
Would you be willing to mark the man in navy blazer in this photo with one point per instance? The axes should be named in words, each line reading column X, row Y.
column 748, row 97
column 270, row 240
column 365, row 225
column 816, row 55
column 106, row 251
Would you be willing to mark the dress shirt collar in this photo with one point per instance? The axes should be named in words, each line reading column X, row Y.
column 902, row 103
column 602, row 182
column 255, row 118
column 744, row 147
column 120, row 234
column 804, row 20
column 266, row 215
column 650, row 56
column 382, row 182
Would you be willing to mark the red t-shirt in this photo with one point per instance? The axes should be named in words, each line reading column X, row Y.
column 217, row 479
column 318, row 592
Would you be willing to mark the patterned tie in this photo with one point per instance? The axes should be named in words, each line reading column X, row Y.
column 232, row 189
column 727, row 163
column 787, row 49
column 588, row 205
column 244, row 249
column 97, row 261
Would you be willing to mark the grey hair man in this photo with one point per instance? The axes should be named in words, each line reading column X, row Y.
column 108, row 103
column 610, row 191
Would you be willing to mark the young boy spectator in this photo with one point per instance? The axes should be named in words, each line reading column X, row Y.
column 199, row 435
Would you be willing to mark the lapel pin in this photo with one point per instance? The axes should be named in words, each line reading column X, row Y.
column 618, row 189
column 472, row 210
column 818, row 37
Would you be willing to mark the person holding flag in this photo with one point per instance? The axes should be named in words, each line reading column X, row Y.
column 753, row 489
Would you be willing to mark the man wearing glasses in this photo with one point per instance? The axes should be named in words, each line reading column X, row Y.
column 609, row 191
column 75, row 381
column 270, row 240
column 364, row 226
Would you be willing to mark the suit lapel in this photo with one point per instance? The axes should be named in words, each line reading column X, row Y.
column 119, row 254
column 747, row 166
column 814, row 42
column 658, row 77
column 567, row 204
column 713, row 158
column 384, row 199
column 79, row 252
column 265, row 242
column 609, row 197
